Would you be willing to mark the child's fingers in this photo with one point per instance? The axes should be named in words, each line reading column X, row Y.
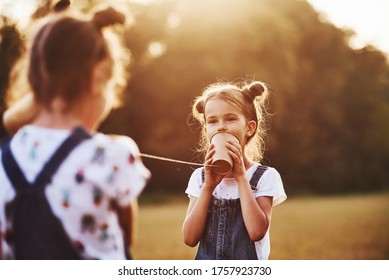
column 208, row 156
column 237, row 159
column 234, row 143
column 234, row 148
column 208, row 162
column 211, row 147
column 235, row 151
column 210, row 152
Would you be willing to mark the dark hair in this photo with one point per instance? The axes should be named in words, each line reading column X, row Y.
column 64, row 54
column 61, row 5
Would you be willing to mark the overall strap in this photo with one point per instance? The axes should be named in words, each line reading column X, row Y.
column 15, row 174
column 202, row 176
column 256, row 176
column 3, row 141
column 50, row 167
column 12, row 169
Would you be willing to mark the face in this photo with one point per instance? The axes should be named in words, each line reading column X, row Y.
column 222, row 116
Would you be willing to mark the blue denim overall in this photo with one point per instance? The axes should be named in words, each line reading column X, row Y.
column 225, row 236
column 37, row 232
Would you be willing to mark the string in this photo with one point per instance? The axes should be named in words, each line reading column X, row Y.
column 171, row 160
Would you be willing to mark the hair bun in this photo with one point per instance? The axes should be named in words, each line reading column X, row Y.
column 253, row 90
column 200, row 106
column 107, row 17
column 61, row 5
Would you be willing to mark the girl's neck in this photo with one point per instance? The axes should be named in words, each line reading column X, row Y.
column 247, row 163
column 57, row 118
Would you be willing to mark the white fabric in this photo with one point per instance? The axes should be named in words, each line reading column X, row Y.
column 270, row 184
column 99, row 170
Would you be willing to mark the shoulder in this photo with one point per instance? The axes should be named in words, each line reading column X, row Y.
column 124, row 142
column 261, row 173
column 118, row 149
column 116, row 163
column 270, row 184
column 114, row 147
column 115, row 155
column 116, row 142
column 197, row 175
column 271, row 173
column 195, row 182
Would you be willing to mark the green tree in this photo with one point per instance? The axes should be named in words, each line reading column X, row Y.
column 330, row 104
column 11, row 48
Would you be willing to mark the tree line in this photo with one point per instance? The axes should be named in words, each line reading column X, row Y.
column 329, row 103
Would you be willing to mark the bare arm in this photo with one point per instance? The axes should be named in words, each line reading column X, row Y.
column 256, row 211
column 196, row 216
column 128, row 217
column 21, row 113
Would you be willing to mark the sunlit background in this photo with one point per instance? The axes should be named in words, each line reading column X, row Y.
column 368, row 18
column 326, row 62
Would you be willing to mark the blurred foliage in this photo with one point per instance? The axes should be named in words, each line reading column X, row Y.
column 330, row 103
column 11, row 48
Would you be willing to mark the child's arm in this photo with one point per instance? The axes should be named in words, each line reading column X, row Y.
column 128, row 217
column 20, row 114
column 256, row 212
column 196, row 216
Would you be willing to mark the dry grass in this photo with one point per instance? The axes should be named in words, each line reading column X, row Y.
column 159, row 232
column 342, row 227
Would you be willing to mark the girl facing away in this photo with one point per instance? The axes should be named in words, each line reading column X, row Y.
column 89, row 197
column 229, row 215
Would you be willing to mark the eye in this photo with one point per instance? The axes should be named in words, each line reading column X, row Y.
column 211, row 121
column 230, row 119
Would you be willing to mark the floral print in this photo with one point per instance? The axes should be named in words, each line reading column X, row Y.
column 99, row 172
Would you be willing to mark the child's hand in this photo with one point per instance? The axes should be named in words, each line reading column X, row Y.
column 211, row 178
column 235, row 151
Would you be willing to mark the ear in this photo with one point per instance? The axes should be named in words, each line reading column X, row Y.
column 251, row 127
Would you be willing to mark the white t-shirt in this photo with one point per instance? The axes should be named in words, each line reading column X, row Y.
column 97, row 171
column 270, row 184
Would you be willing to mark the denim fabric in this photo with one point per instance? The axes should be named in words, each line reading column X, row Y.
column 225, row 235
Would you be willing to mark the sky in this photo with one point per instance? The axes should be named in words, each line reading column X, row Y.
column 368, row 18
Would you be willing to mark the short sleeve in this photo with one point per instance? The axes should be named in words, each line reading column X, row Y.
column 132, row 175
column 270, row 184
column 195, row 183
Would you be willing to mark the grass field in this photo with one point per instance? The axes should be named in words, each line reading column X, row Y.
column 307, row 228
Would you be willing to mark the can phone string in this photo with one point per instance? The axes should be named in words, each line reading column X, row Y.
column 171, row 160
column 175, row 160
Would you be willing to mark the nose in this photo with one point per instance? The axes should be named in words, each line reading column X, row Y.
column 222, row 126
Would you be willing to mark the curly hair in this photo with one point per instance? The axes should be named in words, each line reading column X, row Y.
column 250, row 99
